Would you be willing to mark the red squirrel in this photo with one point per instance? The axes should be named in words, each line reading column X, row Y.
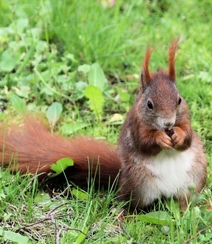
column 158, row 153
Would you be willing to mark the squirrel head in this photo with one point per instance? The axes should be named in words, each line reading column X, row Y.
column 160, row 99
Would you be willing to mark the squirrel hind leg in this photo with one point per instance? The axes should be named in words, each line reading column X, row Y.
column 183, row 199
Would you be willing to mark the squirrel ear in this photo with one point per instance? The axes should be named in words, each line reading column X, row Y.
column 145, row 75
column 171, row 58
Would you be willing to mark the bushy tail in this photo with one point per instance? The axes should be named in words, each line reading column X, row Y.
column 31, row 148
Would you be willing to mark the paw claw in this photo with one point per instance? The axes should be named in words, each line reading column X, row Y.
column 178, row 137
column 163, row 140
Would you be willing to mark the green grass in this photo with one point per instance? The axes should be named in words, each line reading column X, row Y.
column 43, row 45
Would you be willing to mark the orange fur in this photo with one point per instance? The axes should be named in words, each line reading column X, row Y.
column 145, row 64
column 35, row 149
column 171, row 59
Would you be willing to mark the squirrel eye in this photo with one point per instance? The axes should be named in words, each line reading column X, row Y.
column 149, row 104
column 179, row 101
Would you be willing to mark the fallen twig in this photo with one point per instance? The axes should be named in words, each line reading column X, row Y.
column 198, row 233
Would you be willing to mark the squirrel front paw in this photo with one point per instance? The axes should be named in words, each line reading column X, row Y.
column 178, row 137
column 163, row 140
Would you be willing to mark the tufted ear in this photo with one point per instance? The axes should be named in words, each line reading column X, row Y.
column 171, row 59
column 145, row 75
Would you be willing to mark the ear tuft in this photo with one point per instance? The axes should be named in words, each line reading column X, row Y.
column 171, row 58
column 145, row 75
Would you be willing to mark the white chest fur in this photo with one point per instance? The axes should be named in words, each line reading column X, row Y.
column 170, row 171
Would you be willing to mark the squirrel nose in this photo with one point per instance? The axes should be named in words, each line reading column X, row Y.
column 168, row 124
